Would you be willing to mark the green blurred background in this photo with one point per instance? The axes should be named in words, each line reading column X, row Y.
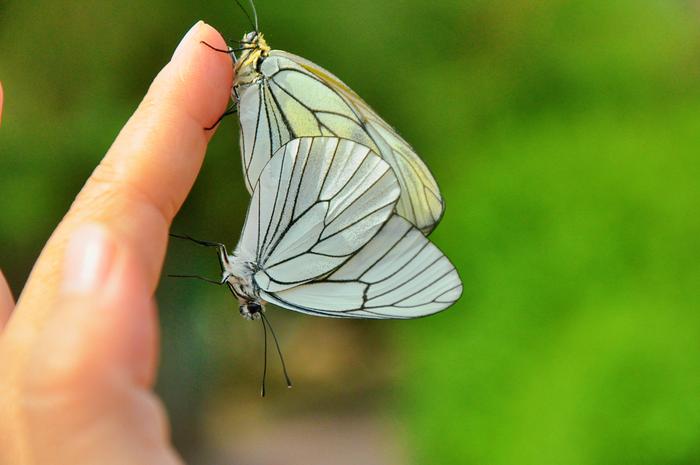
column 565, row 138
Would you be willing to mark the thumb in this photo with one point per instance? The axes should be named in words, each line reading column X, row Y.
column 86, row 393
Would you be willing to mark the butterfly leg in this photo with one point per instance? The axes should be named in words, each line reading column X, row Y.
column 227, row 51
column 223, row 253
column 197, row 241
column 201, row 278
column 229, row 111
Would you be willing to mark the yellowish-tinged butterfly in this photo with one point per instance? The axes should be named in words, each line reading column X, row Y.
column 281, row 96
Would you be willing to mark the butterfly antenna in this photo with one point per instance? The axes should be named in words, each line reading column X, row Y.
column 247, row 15
column 262, row 387
column 279, row 352
column 255, row 14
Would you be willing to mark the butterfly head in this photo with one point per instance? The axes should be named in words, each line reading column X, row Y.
column 251, row 310
column 250, row 305
column 253, row 38
column 254, row 51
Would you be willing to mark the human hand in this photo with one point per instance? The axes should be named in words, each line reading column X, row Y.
column 78, row 353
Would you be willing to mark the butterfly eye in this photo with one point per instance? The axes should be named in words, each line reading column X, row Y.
column 254, row 308
column 251, row 311
column 250, row 38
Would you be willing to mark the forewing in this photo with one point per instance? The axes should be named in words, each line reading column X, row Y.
column 398, row 274
column 318, row 201
column 420, row 202
column 297, row 98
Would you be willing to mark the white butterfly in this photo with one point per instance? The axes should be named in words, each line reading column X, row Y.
column 321, row 237
column 281, row 96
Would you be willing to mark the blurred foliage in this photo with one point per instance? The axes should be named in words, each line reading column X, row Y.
column 565, row 138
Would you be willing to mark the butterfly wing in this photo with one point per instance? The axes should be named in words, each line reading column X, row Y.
column 297, row 98
column 398, row 274
column 422, row 203
column 318, row 201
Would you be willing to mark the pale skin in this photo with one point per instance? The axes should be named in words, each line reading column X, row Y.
column 78, row 352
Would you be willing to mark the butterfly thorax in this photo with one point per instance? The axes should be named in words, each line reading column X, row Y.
column 255, row 50
column 238, row 275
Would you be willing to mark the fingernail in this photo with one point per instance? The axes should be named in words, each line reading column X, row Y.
column 190, row 33
column 88, row 260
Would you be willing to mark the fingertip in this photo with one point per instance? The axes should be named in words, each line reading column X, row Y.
column 206, row 75
column 220, row 77
column 198, row 33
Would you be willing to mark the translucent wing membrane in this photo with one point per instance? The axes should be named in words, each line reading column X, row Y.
column 297, row 98
column 316, row 203
column 398, row 274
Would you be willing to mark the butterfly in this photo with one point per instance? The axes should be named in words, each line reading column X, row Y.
column 321, row 237
column 281, row 96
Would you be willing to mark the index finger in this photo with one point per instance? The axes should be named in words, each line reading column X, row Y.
column 145, row 176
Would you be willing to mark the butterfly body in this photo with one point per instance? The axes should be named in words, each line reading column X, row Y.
column 247, row 67
column 238, row 275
